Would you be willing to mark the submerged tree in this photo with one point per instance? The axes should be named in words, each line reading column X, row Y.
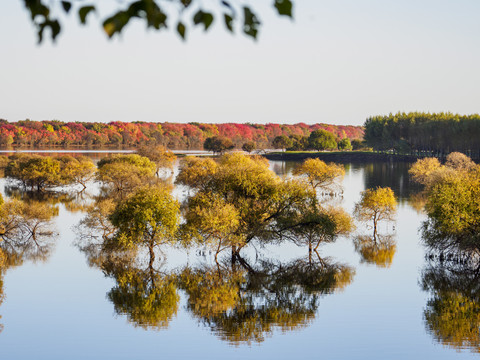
column 313, row 225
column 163, row 159
column 148, row 217
column 211, row 221
column 246, row 186
column 452, row 193
column 196, row 172
column 376, row 205
column 34, row 172
column 425, row 171
column 124, row 173
column 321, row 176
column 454, row 215
column 40, row 173
column 77, row 170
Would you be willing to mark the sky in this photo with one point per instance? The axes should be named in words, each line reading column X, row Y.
column 337, row 62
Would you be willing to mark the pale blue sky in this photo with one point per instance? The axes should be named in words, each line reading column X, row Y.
column 338, row 62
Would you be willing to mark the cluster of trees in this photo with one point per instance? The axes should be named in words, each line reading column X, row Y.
column 35, row 172
column 232, row 201
column 424, row 133
column 258, row 204
column 319, row 139
column 452, row 193
column 170, row 135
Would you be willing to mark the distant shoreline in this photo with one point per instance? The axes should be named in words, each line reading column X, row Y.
column 341, row 156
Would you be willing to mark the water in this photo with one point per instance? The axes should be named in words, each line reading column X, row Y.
column 60, row 308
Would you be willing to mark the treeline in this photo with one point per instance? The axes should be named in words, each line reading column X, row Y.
column 55, row 133
column 424, row 133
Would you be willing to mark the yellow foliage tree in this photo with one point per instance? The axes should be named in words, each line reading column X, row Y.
column 376, row 205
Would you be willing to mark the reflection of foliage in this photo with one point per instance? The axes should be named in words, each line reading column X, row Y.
column 211, row 291
column 24, row 221
column 247, row 305
column 417, row 201
column 452, row 315
column 148, row 297
column 96, row 223
column 319, row 276
column 2, row 267
column 394, row 175
column 25, row 235
column 72, row 200
column 379, row 251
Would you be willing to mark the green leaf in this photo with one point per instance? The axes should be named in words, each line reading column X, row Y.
column 251, row 22
column 116, row 23
column 84, row 11
column 181, row 29
column 37, row 8
column 67, row 5
column 54, row 26
column 186, row 3
column 202, row 17
column 284, row 7
column 228, row 22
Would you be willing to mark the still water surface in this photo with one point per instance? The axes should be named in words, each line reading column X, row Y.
column 363, row 308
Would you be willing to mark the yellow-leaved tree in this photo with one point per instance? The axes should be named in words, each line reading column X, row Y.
column 376, row 205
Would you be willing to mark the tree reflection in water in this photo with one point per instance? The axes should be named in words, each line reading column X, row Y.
column 244, row 303
column 452, row 314
column 24, row 237
column 2, row 271
column 378, row 250
column 147, row 296
column 241, row 303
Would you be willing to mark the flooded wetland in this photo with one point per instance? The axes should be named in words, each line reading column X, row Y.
column 63, row 295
